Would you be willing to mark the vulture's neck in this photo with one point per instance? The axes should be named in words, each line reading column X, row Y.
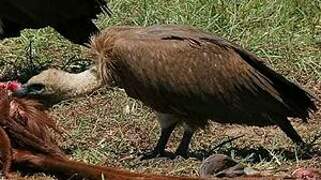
column 76, row 85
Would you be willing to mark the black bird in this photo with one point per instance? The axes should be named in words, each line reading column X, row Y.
column 71, row 18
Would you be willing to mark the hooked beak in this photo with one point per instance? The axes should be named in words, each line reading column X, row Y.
column 29, row 90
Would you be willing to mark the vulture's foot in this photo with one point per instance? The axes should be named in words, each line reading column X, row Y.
column 155, row 154
column 184, row 153
column 187, row 154
column 304, row 150
column 158, row 154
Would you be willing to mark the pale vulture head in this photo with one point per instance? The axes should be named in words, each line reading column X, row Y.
column 52, row 86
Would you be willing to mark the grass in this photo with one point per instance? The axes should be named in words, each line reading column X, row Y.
column 108, row 128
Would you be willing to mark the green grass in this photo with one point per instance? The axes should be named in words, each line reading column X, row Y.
column 281, row 31
column 286, row 33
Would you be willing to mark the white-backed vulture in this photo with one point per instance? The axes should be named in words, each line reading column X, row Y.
column 190, row 76
column 71, row 18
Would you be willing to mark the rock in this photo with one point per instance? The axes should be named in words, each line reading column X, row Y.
column 221, row 165
column 250, row 171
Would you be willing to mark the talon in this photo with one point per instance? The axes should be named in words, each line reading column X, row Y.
column 183, row 153
column 304, row 150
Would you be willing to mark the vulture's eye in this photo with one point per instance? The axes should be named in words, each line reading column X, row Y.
column 36, row 88
column 31, row 89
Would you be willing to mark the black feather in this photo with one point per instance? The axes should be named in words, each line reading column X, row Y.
column 72, row 18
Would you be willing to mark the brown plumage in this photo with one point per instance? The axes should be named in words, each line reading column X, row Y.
column 194, row 76
column 190, row 76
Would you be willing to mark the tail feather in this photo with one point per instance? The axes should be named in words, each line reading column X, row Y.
column 299, row 101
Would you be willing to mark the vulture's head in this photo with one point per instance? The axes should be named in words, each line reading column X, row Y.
column 52, row 85
column 45, row 87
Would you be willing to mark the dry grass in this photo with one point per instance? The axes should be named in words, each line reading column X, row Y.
column 108, row 128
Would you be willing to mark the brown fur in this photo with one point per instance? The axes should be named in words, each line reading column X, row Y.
column 6, row 152
column 24, row 125
column 28, row 126
column 74, row 169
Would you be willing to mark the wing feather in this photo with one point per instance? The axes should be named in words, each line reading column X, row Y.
column 180, row 71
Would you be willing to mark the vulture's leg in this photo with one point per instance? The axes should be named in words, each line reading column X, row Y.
column 288, row 129
column 6, row 152
column 183, row 147
column 167, row 123
column 302, row 148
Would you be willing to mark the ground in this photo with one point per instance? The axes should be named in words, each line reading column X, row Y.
column 110, row 129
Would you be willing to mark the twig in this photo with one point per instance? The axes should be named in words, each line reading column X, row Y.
column 274, row 157
column 30, row 55
column 227, row 141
